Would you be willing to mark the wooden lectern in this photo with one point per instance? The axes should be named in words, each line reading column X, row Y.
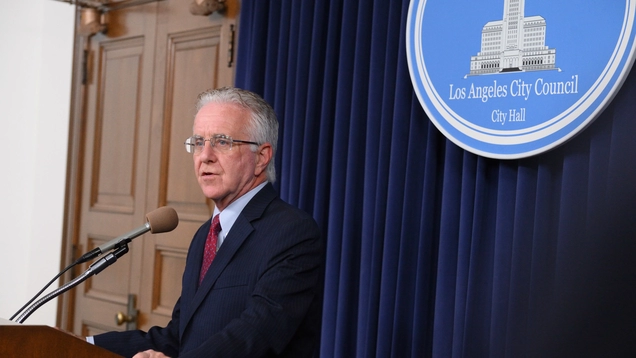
column 18, row 340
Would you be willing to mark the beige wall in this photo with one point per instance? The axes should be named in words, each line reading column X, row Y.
column 35, row 80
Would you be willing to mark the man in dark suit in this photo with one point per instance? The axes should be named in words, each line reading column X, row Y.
column 262, row 293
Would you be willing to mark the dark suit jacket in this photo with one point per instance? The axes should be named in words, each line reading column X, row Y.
column 261, row 297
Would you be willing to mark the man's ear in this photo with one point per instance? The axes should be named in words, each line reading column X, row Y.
column 263, row 157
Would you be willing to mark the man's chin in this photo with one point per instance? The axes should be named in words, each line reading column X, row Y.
column 210, row 192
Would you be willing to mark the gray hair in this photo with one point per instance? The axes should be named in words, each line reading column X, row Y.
column 263, row 124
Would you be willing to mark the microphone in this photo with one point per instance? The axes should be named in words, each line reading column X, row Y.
column 160, row 220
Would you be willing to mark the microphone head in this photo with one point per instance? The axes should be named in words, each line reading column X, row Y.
column 162, row 219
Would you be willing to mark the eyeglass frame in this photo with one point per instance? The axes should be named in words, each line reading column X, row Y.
column 191, row 148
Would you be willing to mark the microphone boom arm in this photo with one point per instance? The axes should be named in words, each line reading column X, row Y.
column 95, row 268
column 160, row 220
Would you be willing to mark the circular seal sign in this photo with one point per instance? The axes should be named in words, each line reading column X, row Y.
column 509, row 79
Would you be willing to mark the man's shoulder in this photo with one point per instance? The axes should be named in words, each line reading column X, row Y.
column 267, row 199
column 282, row 205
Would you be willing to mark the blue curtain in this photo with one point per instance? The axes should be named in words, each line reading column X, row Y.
column 433, row 251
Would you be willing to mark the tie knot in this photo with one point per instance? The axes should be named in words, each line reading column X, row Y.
column 216, row 224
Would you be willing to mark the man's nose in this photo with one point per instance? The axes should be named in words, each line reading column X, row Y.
column 208, row 152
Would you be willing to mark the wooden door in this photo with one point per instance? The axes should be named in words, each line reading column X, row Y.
column 130, row 118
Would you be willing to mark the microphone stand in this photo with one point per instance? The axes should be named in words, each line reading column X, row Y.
column 86, row 257
column 93, row 269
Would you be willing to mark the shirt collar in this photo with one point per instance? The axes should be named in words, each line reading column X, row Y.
column 229, row 215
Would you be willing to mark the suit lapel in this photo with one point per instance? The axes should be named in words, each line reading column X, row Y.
column 241, row 229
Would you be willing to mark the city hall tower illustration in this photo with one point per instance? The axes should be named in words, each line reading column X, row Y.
column 515, row 43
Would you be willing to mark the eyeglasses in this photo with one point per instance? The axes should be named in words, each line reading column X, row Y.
column 221, row 142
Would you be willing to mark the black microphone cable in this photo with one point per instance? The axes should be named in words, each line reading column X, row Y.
column 82, row 259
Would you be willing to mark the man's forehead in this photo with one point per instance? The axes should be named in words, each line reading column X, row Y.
column 221, row 118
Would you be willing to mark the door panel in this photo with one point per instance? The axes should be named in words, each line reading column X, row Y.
column 116, row 116
column 113, row 192
column 137, row 109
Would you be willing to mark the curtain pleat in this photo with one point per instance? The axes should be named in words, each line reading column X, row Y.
column 433, row 251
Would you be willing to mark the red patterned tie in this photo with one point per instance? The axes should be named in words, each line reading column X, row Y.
column 210, row 247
